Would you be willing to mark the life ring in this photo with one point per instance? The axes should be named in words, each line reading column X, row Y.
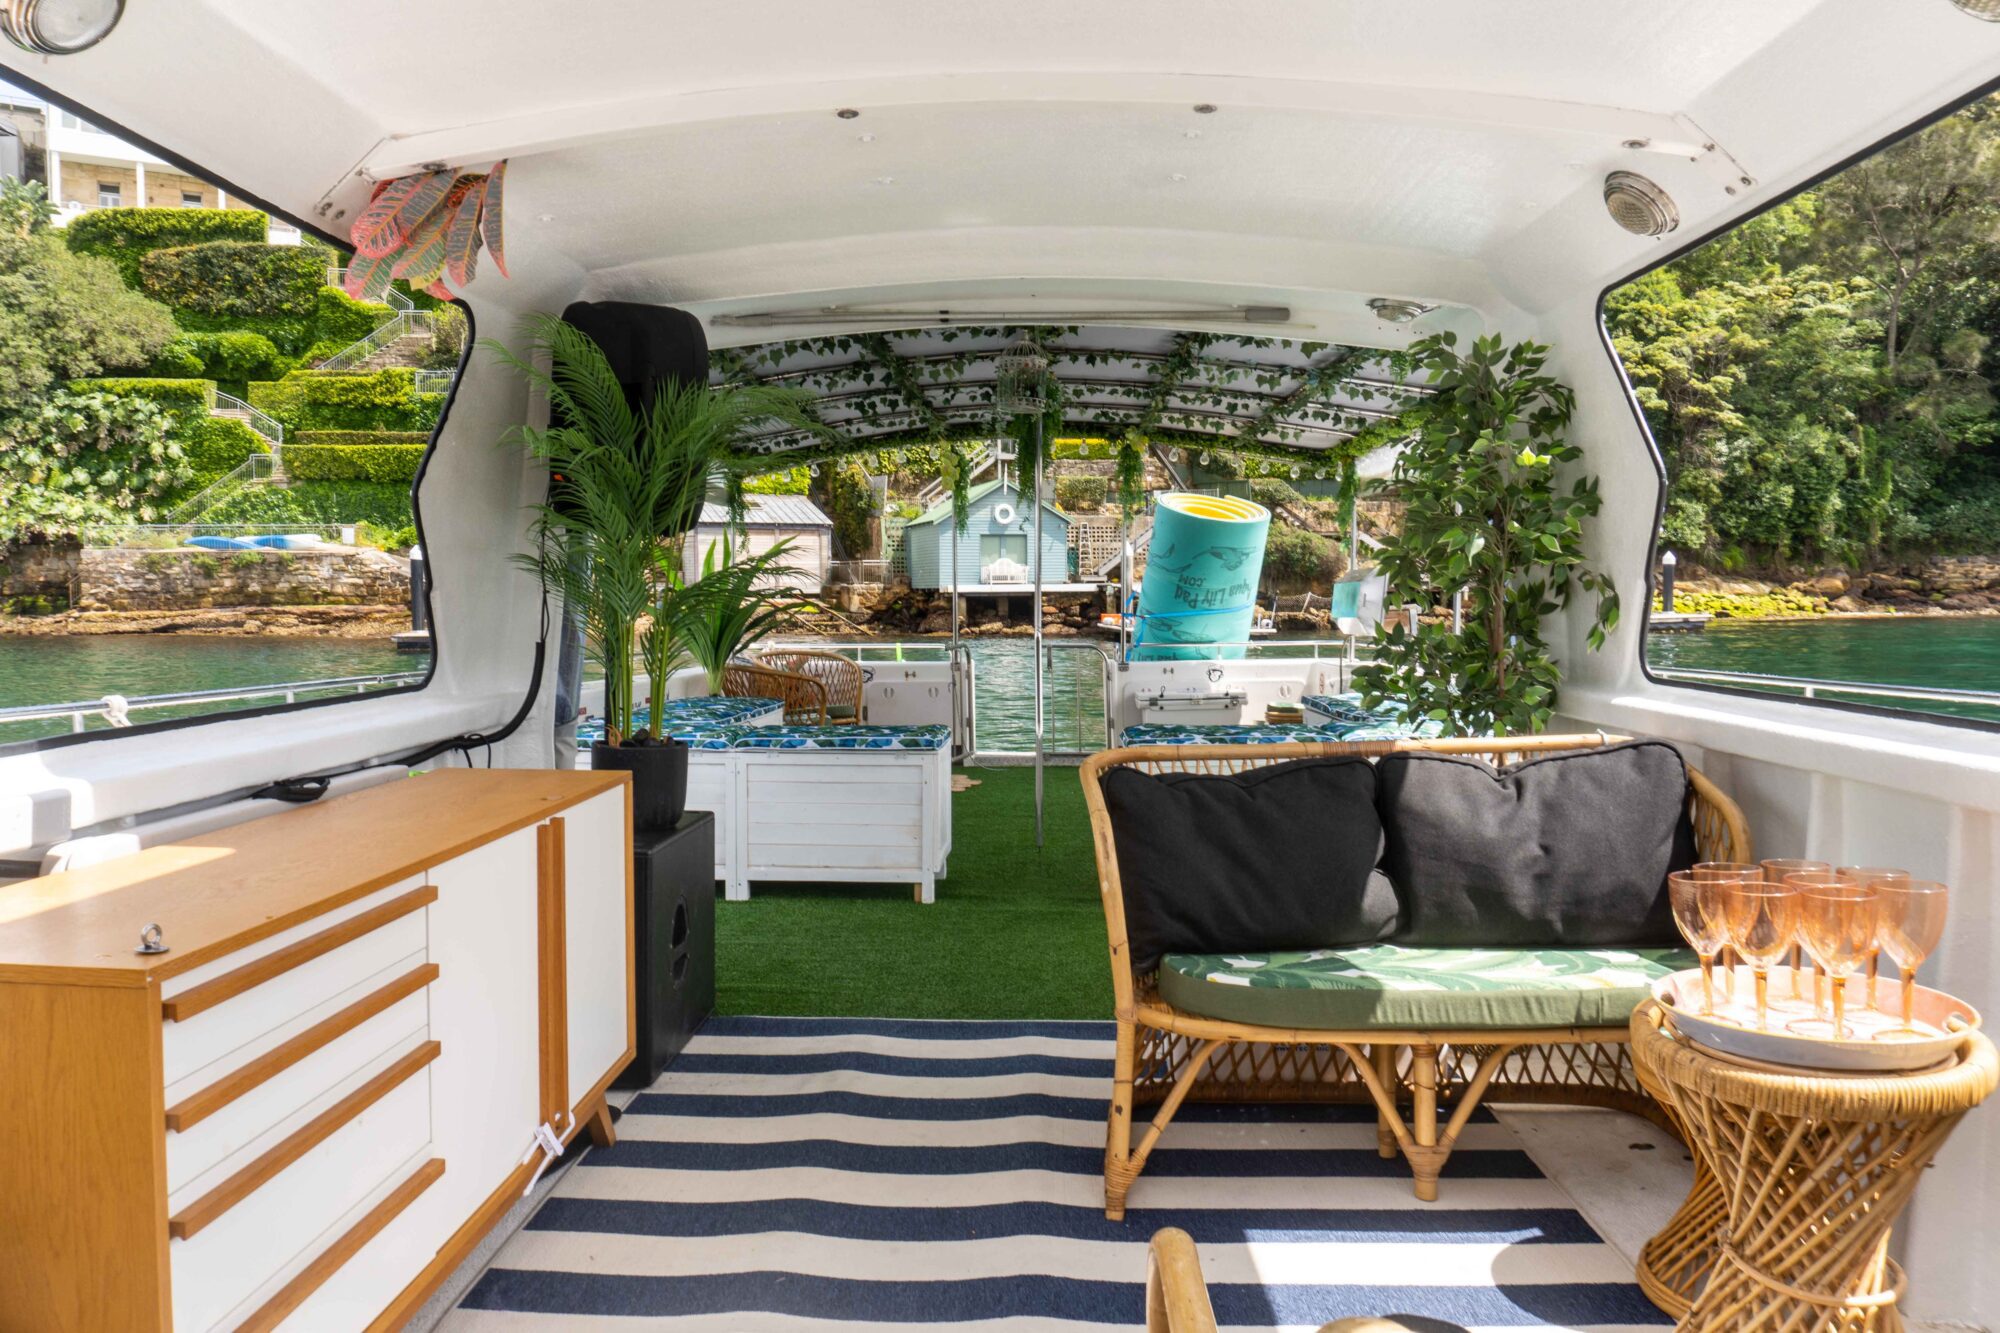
column 1003, row 514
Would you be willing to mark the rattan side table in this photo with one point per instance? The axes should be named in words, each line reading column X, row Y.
column 1813, row 1169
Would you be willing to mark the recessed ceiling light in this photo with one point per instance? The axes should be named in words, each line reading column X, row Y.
column 847, row 113
column 1397, row 311
column 1989, row 10
column 1638, row 205
column 1204, row 108
column 58, row 27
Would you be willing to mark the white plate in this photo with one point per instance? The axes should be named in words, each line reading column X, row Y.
column 1733, row 1027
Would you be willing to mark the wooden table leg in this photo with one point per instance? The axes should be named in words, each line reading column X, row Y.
column 597, row 1124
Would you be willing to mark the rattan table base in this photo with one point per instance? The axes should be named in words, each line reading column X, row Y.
column 1811, row 1172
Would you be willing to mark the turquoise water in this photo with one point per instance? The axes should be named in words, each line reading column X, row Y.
column 70, row 669
column 1937, row 652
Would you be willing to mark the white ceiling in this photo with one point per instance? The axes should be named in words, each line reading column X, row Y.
column 1039, row 149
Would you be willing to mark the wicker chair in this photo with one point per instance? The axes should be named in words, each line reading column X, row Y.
column 1176, row 1295
column 1166, row 1056
column 804, row 698
column 842, row 677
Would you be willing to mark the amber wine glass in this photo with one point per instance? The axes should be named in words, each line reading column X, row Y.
column 1701, row 911
column 1912, row 924
column 1763, row 921
column 1837, row 921
column 1777, row 872
column 1726, row 871
column 1873, row 875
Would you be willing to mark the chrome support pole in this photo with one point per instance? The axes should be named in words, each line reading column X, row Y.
column 1041, row 467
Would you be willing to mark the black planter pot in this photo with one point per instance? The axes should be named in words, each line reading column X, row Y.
column 659, row 779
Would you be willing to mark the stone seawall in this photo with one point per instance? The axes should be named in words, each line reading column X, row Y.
column 37, row 567
column 183, row 580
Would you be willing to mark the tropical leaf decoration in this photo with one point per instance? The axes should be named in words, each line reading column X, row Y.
column 489, row 216
column 376, row 233
column 427, row 229
column 461, row 242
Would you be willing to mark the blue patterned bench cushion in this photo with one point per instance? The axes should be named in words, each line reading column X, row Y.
column 1203, row 733
column 691, row 720
column 1339, row 709
column 934, row 736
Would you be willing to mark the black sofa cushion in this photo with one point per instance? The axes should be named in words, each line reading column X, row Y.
column 1568, row 849
column 1278, row 857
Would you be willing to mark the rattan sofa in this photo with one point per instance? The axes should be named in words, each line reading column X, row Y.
column 1424, row 1083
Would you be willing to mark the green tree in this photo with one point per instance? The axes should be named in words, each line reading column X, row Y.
column 1484, row 515
column 63, row 315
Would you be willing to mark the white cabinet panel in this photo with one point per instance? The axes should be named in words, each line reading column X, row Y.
column 485, row 1015
column 596, row 896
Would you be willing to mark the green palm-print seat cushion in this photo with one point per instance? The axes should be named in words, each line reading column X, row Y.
column 1385, row 986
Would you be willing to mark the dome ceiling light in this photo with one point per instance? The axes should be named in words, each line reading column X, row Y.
column 58, row 27
column 1638, row 205
column 1396, row 311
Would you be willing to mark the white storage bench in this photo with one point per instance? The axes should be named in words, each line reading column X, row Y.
column 861, row 804
column 834, row 803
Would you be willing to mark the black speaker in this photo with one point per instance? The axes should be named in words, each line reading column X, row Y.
column 673, row 880
column 644, row 343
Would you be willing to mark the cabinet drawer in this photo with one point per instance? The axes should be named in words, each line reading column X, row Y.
column 234, row 1118
column 249, row 1227
column 225, row 1005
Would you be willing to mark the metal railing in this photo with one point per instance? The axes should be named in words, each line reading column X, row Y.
column 1812, row 687
column 165, row 535
column 406, row 322
column 435, row 381
column 254, row 469
column 116, row 710
column 227, row 404
column 859, row 571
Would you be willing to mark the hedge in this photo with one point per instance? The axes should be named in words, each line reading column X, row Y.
column 216, row 445
column 308, row 502
column 236, row 278
column 353, row 462
column 187, row 399
column 381, row 400
column 359, row 437
column 337, row 322
column 126, row 235
column 232, row 360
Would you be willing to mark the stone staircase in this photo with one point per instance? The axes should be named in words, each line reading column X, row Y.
column 407, row 352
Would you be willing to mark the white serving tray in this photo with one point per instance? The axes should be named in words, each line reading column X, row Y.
column 1733, row 1028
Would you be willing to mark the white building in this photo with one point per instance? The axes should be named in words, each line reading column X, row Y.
column 769, row 520
column 88, row 168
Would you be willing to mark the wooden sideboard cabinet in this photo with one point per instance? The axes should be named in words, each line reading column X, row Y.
column 309, row 1109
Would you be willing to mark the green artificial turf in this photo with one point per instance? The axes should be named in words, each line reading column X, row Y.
column 1015, row 932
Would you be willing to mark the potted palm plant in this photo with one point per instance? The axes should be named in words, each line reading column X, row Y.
column 627, row 483
column 738, row 601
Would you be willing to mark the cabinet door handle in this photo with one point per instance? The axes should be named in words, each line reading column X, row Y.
column 293, row 1294
column 196, row 999
column 199, row 1106
column 191, row 1220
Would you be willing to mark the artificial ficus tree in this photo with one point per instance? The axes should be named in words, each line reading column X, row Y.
column 1485, row 515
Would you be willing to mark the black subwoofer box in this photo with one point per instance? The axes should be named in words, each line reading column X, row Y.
column 673, row 880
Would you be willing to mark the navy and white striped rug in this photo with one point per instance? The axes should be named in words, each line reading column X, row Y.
column 826, row 1174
